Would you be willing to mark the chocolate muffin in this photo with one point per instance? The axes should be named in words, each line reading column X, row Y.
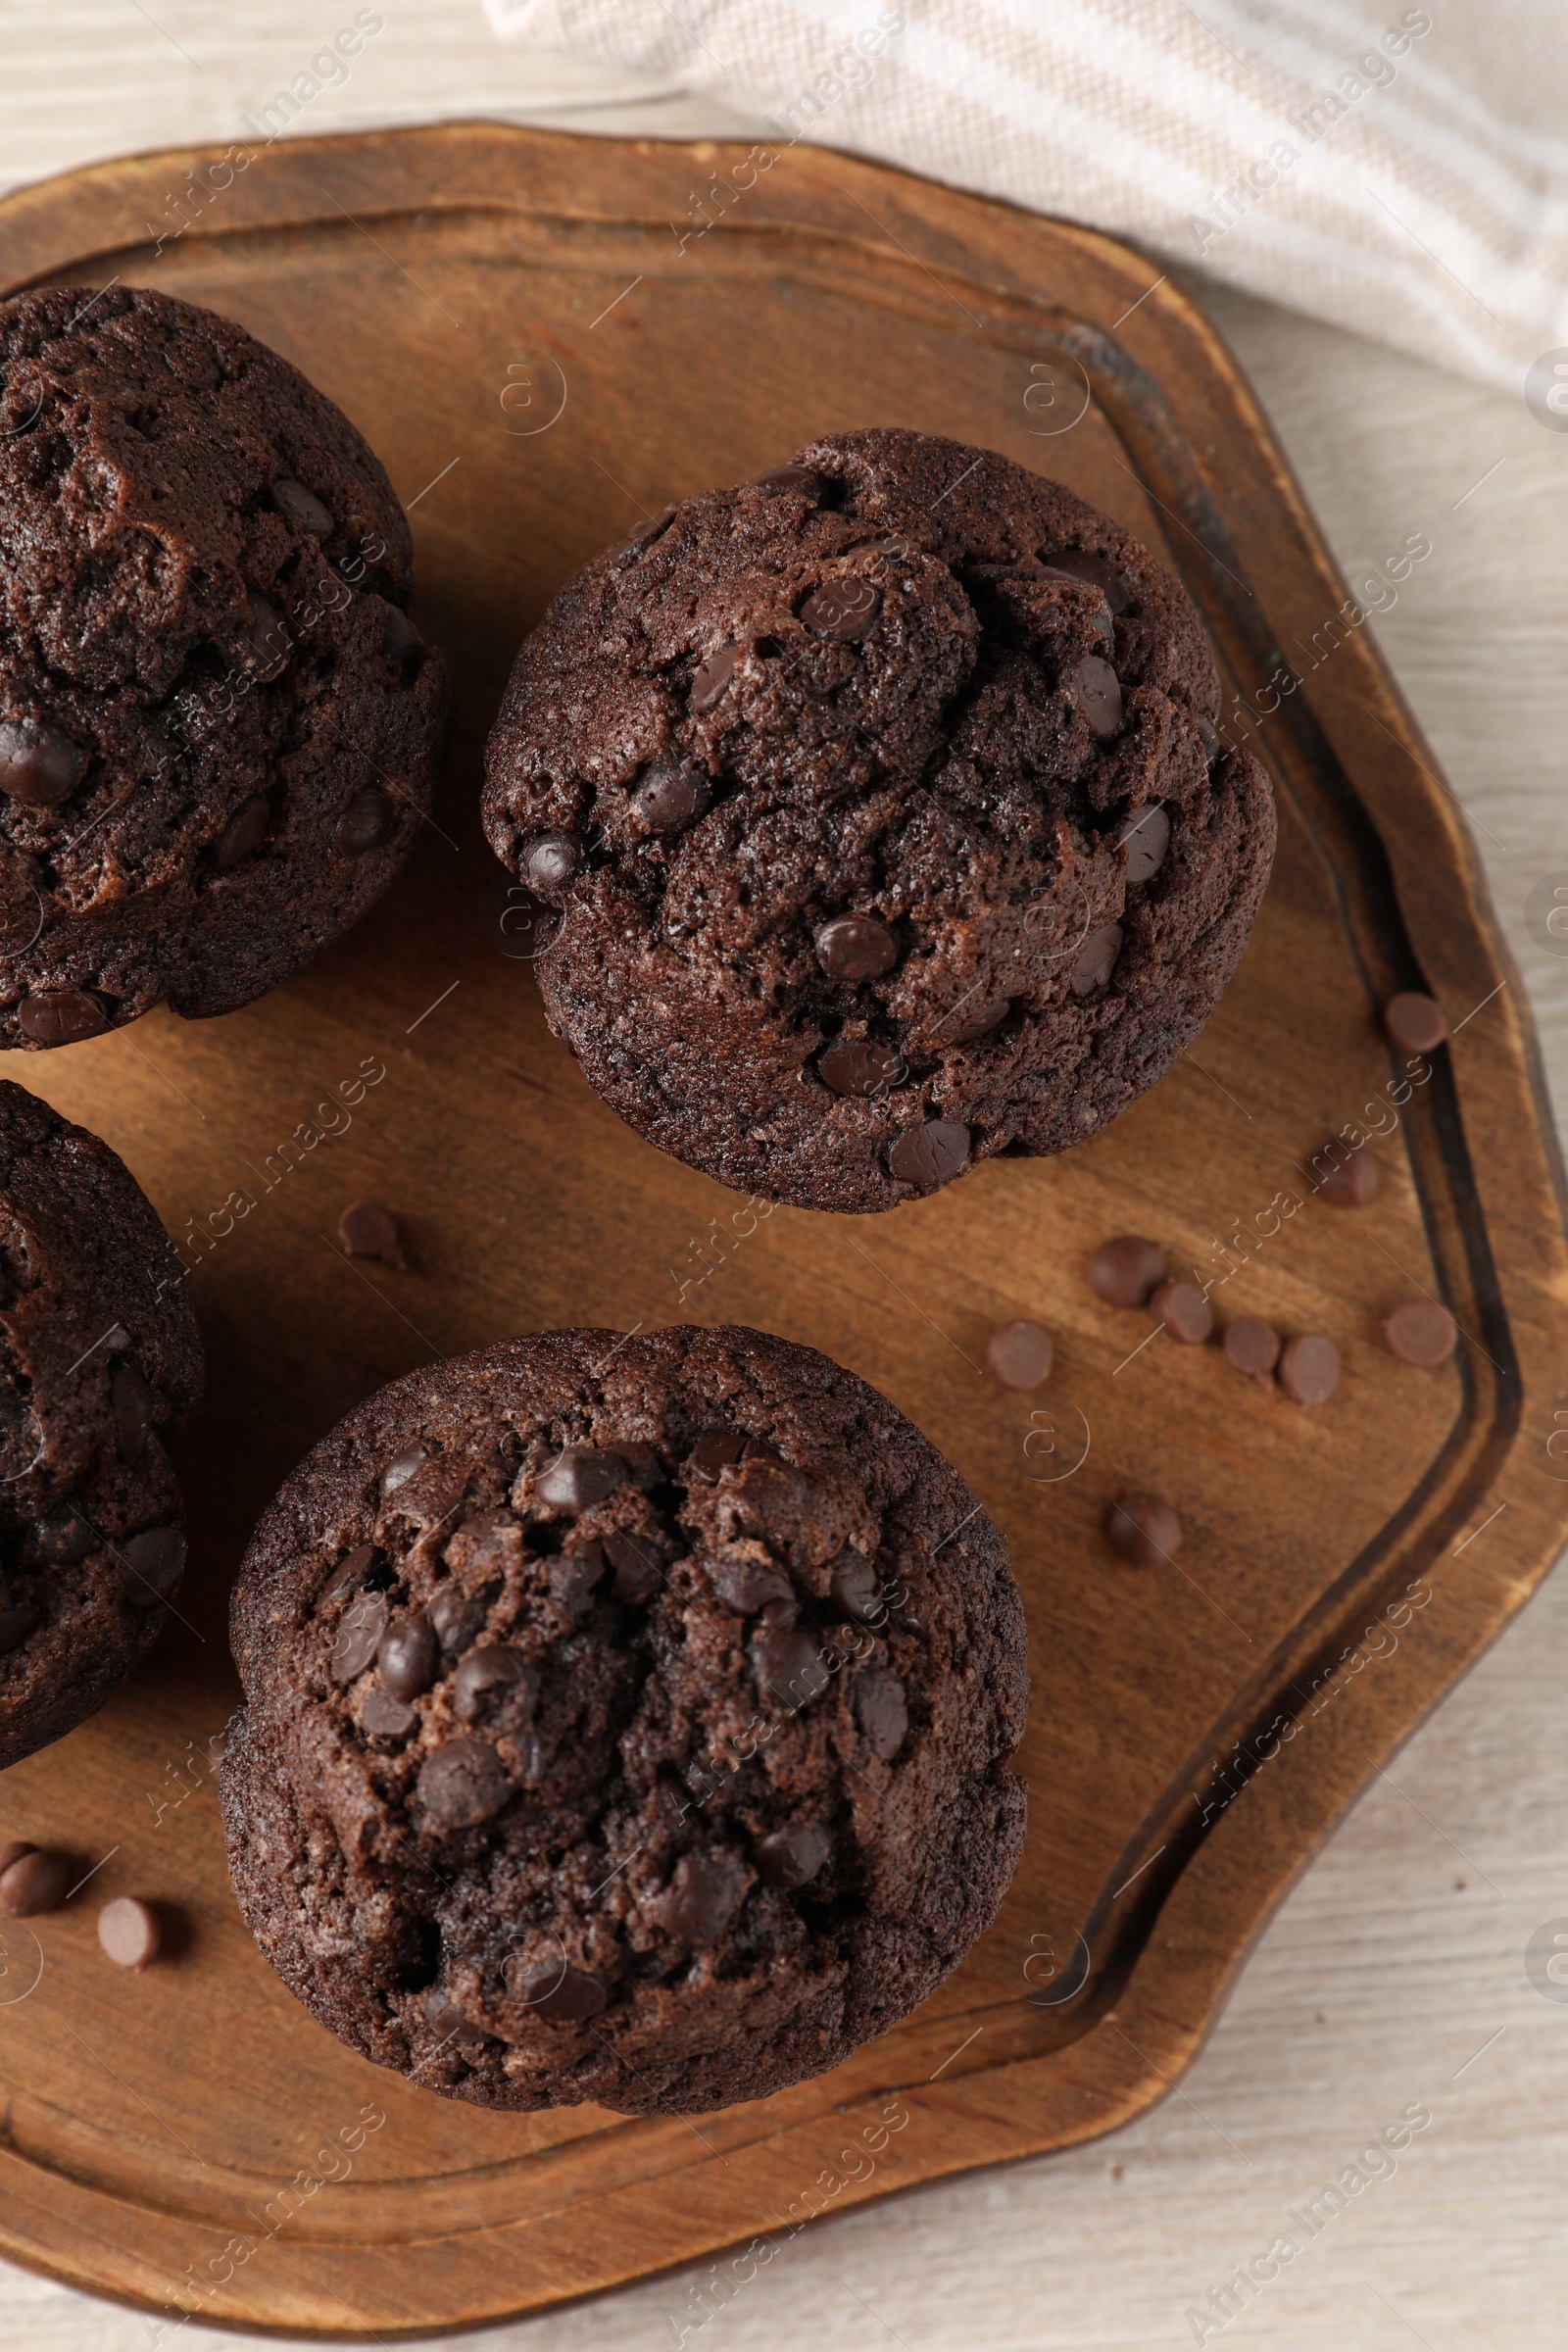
column 625, row 1719
column 885, row 817
column 218, row 729
column 100, row 1358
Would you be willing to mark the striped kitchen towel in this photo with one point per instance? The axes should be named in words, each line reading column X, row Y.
column 1398, row 170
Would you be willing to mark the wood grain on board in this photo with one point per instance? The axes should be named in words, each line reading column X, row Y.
column 541, row 341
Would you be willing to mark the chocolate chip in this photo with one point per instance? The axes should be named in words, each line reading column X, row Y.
column 351, row 1571
column 880, row 1711
column 1097, row 960
column 930, row 1155
column 244, row 833
column 386, row 1717
column 860, row 1065
column 495, row 1684
column 671, row 796
column 63, row 1535
column 579, row 1477
column 152, row 1565
column 803, row 480
column 1208, row 736
column 642, row 1462
column 1144, row 1528
column 135, row 1406
column 1415, row 1023
column 35, row 1883
column 711, row 676
column 129, row 1933
column 1124, row 1271
column 1252, row 1346
column 1309, row 1369
column 408, row 1656
column 1353, row 1177
column 400, row 639
column 400, row 1469
column 16, row 1624
column 38, row 765
column 791, row 1856
column 461, row 1783
column 856, row 946
column 573, row 1576
column 978, row 1024
column 1145, row 834
column 562, row 1996
column 1019, row 1355
column 1185, row 1312
column 268, row 636
column 444, row 2017
column 1421, row 1332
column 637, row 1570
column 1094, row 570
column 367, row 1230
column 714, row 1451
column 643, row 536
column 748, row 1587
column 302, row 507
column 550, row 862
column 358, row 1637
column 703, row 1895
column 843, row 611
column 365, row 824
column 61, row 1017
column 1097, row 691
column 789, row 1668
column 458, row 1619
column 12, row 1851
column 855, row 1588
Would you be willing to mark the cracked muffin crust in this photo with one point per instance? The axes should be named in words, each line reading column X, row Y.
column 625, row 1719
column 887, row 825
column 100, row 1358
column 218, row 729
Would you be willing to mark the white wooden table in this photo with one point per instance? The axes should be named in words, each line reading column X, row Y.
column 1394, row 1975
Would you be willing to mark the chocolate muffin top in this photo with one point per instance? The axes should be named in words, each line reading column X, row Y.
column 100, row 1358
column 625, row 1719
column 882, row 806
column 218, row 726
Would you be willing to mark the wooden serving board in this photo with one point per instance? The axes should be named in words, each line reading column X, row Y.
column 543, row 341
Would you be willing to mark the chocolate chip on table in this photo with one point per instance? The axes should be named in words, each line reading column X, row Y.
column 16, row 1624
column 152, row 1565
column 1185, row 1312
column 350, row 1570
column 672, row 795
column 804, row 480
column 365, row 824
column 550, row 860
column 711, row 676
column 562, row 1996
column 1097, row 960
column 1142, row 1528
column 579, row 1477
column 34, row 1882
column 408, row 1656
column 792, row 1856
column 1126, row 1269
column 1094, row 570
column 494, row 1683
column 1421, row 1332
column 358, row 1637
column 704, row 1894
column 38, row 765
column 789, row 1667
column 365, row 1229
column 1353, row 1177
column 386, row 1717
column 1097, row 691
column 880, row 1711
column 129, row 1933
column 860, row 1065
column 1414, row 1022
column 12, row 1850
column 1252, row 1346
column 462, row 1784
column 1145, row 835
column 1309, row 1368
column 856, row 1589
column 457, row 1618
column 843, row 611
column 638, row 1570
column 1019, row 1355
column 61, row 1017
column 856, row 946
column 302, row 507
column 244, row 833
column 931, row 1154
column 135, row 1406
column 400, row 1469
